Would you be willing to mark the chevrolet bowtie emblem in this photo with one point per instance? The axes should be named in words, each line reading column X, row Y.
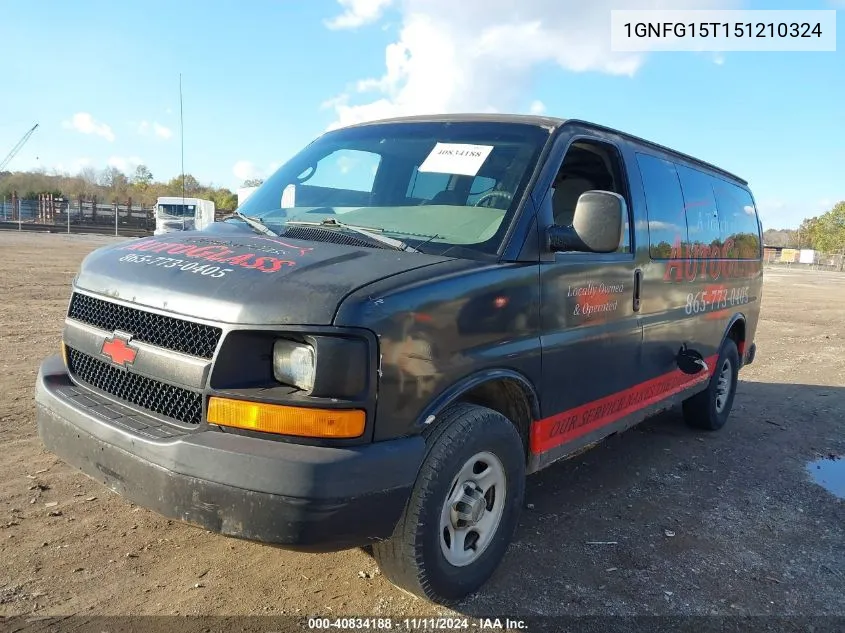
column 118, row 350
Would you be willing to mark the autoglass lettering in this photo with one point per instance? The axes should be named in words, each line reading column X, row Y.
column 202, row 251
column 178, row 249
column 270, row 264
column 216, row 253
column 715, row 269
column 239, row 260
column 221, row 255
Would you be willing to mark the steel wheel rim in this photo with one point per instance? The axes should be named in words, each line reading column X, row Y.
column 723, row 385
column 473, row 509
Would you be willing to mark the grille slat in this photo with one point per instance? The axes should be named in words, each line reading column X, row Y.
column 195, row 339
column 152, row 395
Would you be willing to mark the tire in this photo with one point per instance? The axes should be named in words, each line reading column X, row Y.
column 413, row 559
column 709, row 409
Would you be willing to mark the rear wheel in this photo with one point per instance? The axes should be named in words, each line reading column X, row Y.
column 463, row 510
column 709, row 409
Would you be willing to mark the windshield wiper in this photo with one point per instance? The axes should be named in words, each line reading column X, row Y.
column 256, row 224
column 368, row 232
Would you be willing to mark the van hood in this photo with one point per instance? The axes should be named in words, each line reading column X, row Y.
column 240, row 278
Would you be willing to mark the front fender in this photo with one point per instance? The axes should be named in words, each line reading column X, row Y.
column 455, row 392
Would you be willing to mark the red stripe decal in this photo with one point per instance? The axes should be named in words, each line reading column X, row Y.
column 572, row 424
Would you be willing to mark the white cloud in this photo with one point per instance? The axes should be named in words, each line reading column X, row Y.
column 245, row 170
column 125, row 164
column 61, row 168
column 345, row 164
column 84, row 123
column 537, row 107
column 159, row 130
column 79, row 164
column 480, row 55
column 358, row 13
column 162, row 131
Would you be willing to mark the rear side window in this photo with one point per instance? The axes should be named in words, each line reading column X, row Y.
column 667, row 225
column 738, row 219
column 700, row 205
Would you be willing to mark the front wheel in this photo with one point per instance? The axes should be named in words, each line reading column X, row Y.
column 709, row 409
column 463, row 510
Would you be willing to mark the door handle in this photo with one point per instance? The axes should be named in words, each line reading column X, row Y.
column 638, row 286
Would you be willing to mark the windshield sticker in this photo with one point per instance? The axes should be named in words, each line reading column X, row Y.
column 456, row 158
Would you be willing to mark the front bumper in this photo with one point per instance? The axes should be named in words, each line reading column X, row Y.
column 297, row 497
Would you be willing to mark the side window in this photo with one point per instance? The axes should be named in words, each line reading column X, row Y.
column 738, row 218
column 700, row 205
column 425, row 185
column 481, row 185
column 345, row 170
column 589, row 165
column 667, row 223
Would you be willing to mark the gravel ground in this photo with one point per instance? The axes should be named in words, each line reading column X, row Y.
column 729, row 523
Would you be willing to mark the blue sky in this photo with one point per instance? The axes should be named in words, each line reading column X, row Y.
column 263, row 78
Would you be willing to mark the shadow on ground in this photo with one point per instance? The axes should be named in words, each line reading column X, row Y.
column 672, row 520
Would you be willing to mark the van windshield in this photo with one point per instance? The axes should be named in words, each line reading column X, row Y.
column 443, row 185
column 176, row 210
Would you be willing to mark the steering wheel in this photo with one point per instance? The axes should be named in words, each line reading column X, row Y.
column 493, row 194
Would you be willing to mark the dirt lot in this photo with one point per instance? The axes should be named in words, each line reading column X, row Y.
column 725, row 523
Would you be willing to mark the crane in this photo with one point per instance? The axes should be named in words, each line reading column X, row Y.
column 17, row 148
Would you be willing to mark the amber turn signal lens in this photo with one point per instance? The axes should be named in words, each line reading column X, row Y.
column 285, row 420
column 64, row 352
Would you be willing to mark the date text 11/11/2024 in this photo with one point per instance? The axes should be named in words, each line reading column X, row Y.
column 417, row 624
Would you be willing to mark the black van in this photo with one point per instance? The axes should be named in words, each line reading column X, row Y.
column 397, row 327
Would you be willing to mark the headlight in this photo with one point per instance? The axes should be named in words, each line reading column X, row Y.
column 294, row 364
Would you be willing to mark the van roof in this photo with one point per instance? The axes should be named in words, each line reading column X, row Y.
column 552, row 123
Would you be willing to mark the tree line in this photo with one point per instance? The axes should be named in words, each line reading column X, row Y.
column 825, row 233
column 111, row 185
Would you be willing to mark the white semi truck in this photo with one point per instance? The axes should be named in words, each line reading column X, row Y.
column 175, row 213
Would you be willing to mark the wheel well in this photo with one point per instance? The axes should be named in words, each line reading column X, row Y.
column 510, row 398
column 737, row 333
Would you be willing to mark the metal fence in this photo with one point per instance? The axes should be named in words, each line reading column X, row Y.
column 809, row 259
column 76, row 217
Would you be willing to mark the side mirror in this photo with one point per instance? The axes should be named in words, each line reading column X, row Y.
column 596, row 225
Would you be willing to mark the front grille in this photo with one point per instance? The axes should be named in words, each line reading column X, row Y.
column 152, row 395
column 186, row 337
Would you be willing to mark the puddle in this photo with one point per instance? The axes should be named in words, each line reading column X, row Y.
column 829, row 473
